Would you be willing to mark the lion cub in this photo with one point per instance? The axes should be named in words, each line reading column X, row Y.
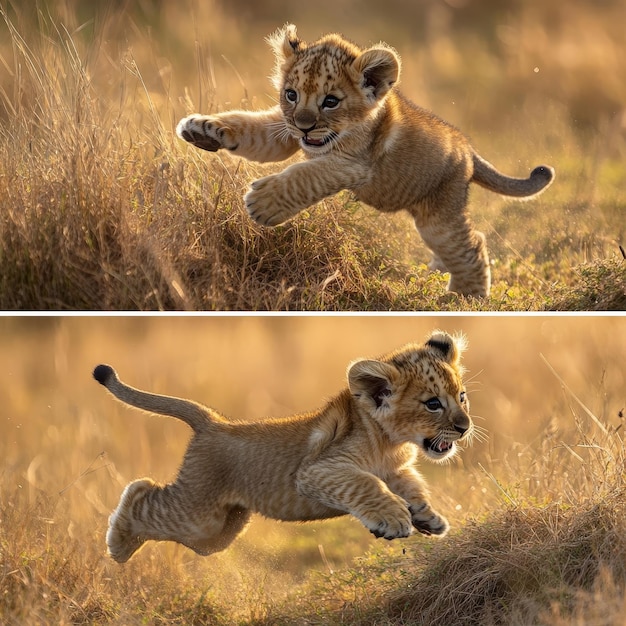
column 355, row 456
column 340, row 106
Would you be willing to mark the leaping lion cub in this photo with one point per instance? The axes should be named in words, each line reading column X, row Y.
column 355, row 456
column 340, row 106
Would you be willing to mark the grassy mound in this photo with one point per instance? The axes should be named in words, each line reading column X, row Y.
column 523, row 565
column 597, row 286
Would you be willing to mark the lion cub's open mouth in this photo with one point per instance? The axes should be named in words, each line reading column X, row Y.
column 313, row 142
column 318, row 143
column 439, row 448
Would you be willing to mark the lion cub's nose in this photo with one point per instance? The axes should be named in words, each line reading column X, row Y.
column 461, row 429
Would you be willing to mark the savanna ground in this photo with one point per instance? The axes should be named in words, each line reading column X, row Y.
column 537, row 509
column 104, row 208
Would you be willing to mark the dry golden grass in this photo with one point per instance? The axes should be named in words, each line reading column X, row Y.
column 548, row 483
column 103, row 208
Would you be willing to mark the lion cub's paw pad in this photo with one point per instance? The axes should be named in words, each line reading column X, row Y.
column 203, row 133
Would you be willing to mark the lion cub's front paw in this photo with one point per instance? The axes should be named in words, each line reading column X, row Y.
column 388, row 523
column 266, row 202
column 427, row 521
column 206, row 132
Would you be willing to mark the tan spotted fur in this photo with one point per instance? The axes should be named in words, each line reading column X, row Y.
column 354, row 456
column 339, row 104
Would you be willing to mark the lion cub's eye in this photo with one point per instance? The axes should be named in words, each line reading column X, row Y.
column 330, row 102
column 462, row 397
column 291, row 96
column 434, row 404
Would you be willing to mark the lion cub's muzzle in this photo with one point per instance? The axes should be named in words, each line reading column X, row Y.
column 462, row 423
column 443, row 444
column 317, row 142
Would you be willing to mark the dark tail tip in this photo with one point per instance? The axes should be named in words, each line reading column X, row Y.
column 544, row 173
column 102, row 373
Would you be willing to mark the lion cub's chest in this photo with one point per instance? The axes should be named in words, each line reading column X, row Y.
column 405, row 157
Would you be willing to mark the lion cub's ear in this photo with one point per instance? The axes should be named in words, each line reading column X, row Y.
column 447, row 347
column 372, row 381
column 284, row 42
column 378, row 69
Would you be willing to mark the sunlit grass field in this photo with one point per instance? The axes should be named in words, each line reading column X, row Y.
column 104, row 208
column 536, row 509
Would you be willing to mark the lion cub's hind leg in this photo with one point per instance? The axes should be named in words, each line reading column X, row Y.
column 122, row 540
column 236, row 521
column 444, row 225
column 162, row 513
column 461, row 250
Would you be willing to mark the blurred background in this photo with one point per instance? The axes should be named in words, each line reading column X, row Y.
column 486, row 65
column 67, row 448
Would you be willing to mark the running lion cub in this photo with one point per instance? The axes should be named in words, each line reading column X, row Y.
column 339, row 104
column 355, row 456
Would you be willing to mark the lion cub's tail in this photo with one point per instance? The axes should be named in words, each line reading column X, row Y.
column 194, row 414
column 486, row 175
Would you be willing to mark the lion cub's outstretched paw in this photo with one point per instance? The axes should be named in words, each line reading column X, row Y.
column 389, row 525
column 427, row 521
column 122, row 540
column 206, row 132
column 266, row 202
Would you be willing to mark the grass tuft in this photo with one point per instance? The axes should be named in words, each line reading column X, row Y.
column 597, row 286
